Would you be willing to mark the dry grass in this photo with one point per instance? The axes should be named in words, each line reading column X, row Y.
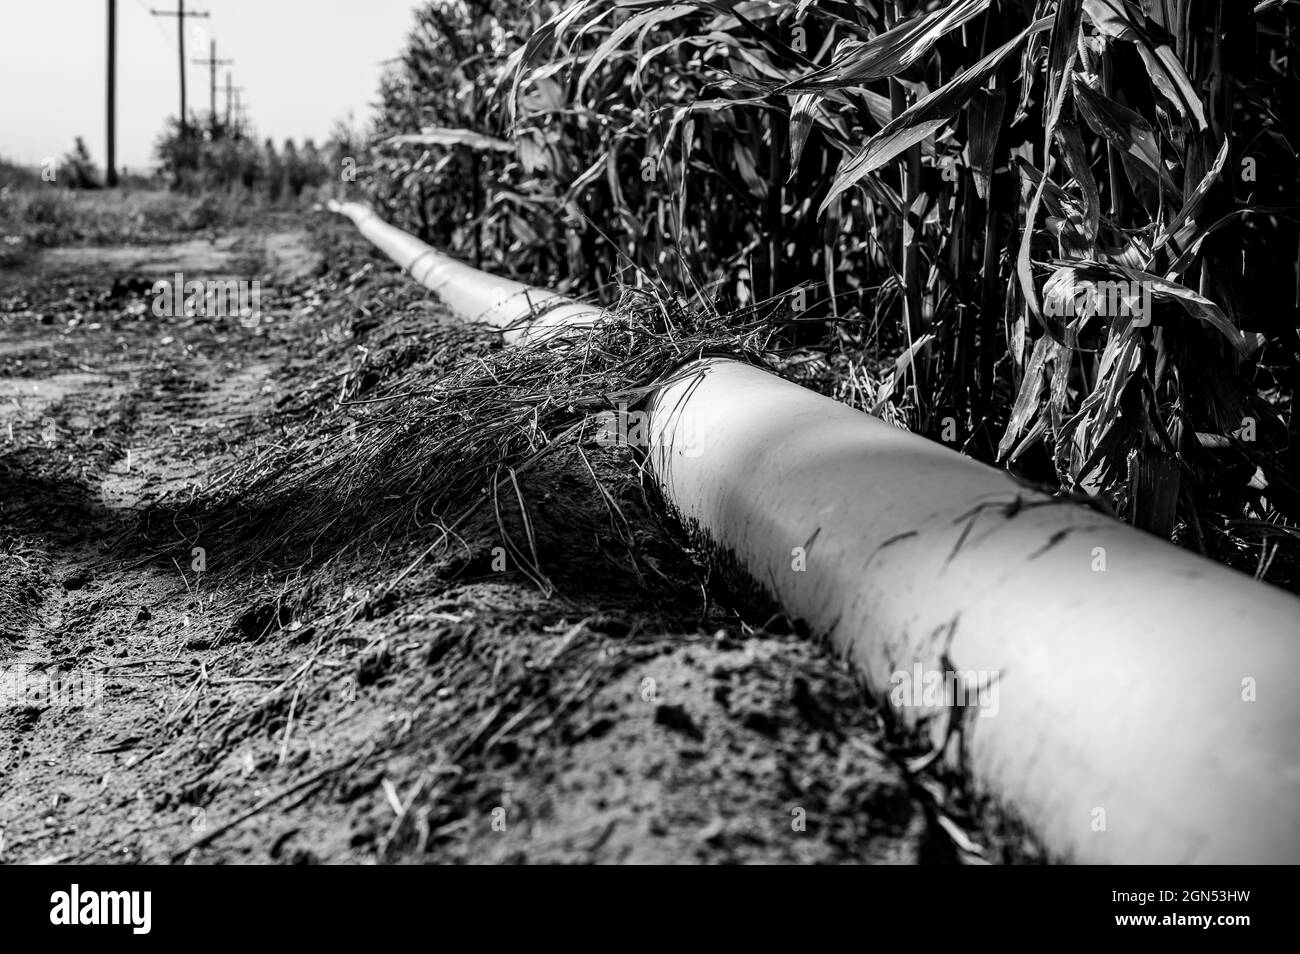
column 407, row 435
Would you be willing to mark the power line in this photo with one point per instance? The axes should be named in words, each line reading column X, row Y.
column 230, row 91
column 212, row 63
column 180, row 15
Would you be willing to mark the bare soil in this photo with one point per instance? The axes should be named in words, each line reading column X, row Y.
column 165, row 698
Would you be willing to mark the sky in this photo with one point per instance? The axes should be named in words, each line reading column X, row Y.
column 303, row 66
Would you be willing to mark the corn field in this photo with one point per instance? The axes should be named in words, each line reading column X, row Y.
column 1068, row 226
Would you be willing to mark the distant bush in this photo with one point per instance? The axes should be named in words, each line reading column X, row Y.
column 44, row 215
column 196, row 161
column 49, row 208
column 14, row 176
column 78, row 171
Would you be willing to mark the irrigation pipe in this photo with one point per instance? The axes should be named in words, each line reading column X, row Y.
column 524, row 313
column 1127, row 700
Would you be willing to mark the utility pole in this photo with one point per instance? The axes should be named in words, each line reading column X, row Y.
column 110, row 171
column 180, row 15
column 212, row 63
column 233, row 92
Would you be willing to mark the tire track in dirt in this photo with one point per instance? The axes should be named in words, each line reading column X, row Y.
column 81, row 451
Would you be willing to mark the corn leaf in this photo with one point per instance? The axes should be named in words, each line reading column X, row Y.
column 924, row 117
column 891, row 52
column 433, row 136
column 983, row 123
column 1127, row 130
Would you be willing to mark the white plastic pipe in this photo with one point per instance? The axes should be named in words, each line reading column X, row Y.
column 1135, row 702
column 524, row 313
column 1126, row 699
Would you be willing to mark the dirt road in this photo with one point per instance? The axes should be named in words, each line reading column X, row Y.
column 166, row 697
